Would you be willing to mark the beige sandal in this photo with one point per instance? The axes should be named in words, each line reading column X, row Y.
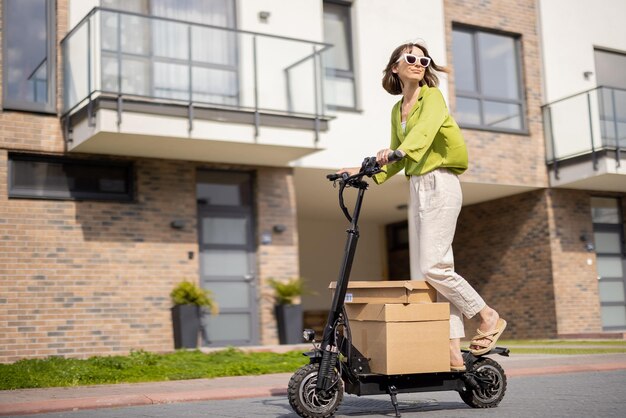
column 458, row 368
column 491, row 336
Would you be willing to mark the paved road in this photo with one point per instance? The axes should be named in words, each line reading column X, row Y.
column 597, row 394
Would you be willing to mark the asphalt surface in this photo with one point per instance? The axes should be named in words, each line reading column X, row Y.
column 567, row 379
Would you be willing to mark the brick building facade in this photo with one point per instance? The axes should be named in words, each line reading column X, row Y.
column 80, row 277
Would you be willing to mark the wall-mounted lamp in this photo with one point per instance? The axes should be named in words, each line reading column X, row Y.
column 177, row 224
column 264, row 16
column 588, row 244
column 279, row 229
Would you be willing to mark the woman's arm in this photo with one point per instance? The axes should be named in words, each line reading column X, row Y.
column 389, row 170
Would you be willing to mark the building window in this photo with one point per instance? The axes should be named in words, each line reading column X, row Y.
column 47, row 177
column 339, row 85
column 488, row 87
column 152, row 57
column 608, row 232
column 28, row 55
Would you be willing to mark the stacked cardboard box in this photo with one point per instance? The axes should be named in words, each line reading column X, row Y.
column 399, row 326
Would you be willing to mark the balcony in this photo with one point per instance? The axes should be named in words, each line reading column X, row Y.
column 146, row 86
column 586, row 140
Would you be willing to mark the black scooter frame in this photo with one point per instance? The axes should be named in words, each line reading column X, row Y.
column 354, row 368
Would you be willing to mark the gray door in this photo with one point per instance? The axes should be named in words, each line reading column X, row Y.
column 227, row 256
column 608, row 230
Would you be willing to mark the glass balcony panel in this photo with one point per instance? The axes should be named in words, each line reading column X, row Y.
column 109, row 39
column 214, row 46
column 135, row 34
column 571, row 134
column 136, row 76
column 170, row 39
column 75, row 53
column 171, row 81
column 216, row 86
column 164, row 59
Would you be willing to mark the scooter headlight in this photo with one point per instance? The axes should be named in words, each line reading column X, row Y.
column 308, row 335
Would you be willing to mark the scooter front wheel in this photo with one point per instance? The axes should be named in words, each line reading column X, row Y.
column 492, row 381
column 304, row 399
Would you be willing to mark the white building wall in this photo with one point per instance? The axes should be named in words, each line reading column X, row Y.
column 321, row 246
column 570, row 29
column 378, row 28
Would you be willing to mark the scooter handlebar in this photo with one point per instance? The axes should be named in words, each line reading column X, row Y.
column 393, row 156
column 397, row 155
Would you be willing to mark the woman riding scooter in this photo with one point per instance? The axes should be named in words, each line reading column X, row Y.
column 434, row 155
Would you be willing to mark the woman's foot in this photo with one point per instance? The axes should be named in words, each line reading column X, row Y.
column 456, row 358
column 488, row 322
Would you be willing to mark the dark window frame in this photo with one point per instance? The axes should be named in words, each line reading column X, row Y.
column 343, row 74
column 517, row 39
column 50, row 105
column 22, row 193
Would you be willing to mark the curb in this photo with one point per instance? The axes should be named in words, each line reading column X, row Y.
column 60, row 405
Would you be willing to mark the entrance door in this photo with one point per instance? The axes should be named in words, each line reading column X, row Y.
column 227, row 256
column 608, row 230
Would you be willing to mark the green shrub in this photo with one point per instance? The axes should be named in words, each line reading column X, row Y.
column 288, row 292
column 187, row 293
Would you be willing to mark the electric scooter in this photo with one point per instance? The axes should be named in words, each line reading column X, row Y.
column 316, row 390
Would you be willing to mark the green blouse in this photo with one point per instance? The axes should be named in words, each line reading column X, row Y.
column 432, row 139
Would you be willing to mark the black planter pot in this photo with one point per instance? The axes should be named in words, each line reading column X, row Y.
column 289, row 322
column 186, row 323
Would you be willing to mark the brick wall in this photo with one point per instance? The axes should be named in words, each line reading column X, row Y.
column 498, row 157
column 574, row 268
column 81, row 278
column 502, row 248
column 85, row 278
column 280, row 260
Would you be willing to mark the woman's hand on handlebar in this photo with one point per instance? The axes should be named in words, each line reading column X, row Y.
column 350, row 170
column 382, row 156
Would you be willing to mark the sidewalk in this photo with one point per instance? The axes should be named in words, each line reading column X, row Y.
column 31, row 401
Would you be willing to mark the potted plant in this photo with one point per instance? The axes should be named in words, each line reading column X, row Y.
column 189, row 301
column 288, row 309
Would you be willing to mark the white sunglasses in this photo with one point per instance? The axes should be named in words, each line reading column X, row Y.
column 413, row 59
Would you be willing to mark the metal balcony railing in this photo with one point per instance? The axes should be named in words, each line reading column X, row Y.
column 124, row 55
column 586, row 123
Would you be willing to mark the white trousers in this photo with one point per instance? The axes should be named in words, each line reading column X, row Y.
column 435, row 205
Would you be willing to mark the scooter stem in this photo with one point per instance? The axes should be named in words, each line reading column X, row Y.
column 325, row 377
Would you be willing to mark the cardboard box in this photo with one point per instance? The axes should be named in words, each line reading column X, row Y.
column 390, row 291
column 402, row 339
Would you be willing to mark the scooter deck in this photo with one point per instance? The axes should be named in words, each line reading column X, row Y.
column 378, row 384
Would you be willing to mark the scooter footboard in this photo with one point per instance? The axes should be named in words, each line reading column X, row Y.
column 378, row 384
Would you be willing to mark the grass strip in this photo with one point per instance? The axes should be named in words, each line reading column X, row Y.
column 142, row 366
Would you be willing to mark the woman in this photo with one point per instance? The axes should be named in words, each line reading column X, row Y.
column 434, row 155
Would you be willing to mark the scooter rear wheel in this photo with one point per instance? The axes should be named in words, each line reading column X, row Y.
column 490, row 372
column 303, row 398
